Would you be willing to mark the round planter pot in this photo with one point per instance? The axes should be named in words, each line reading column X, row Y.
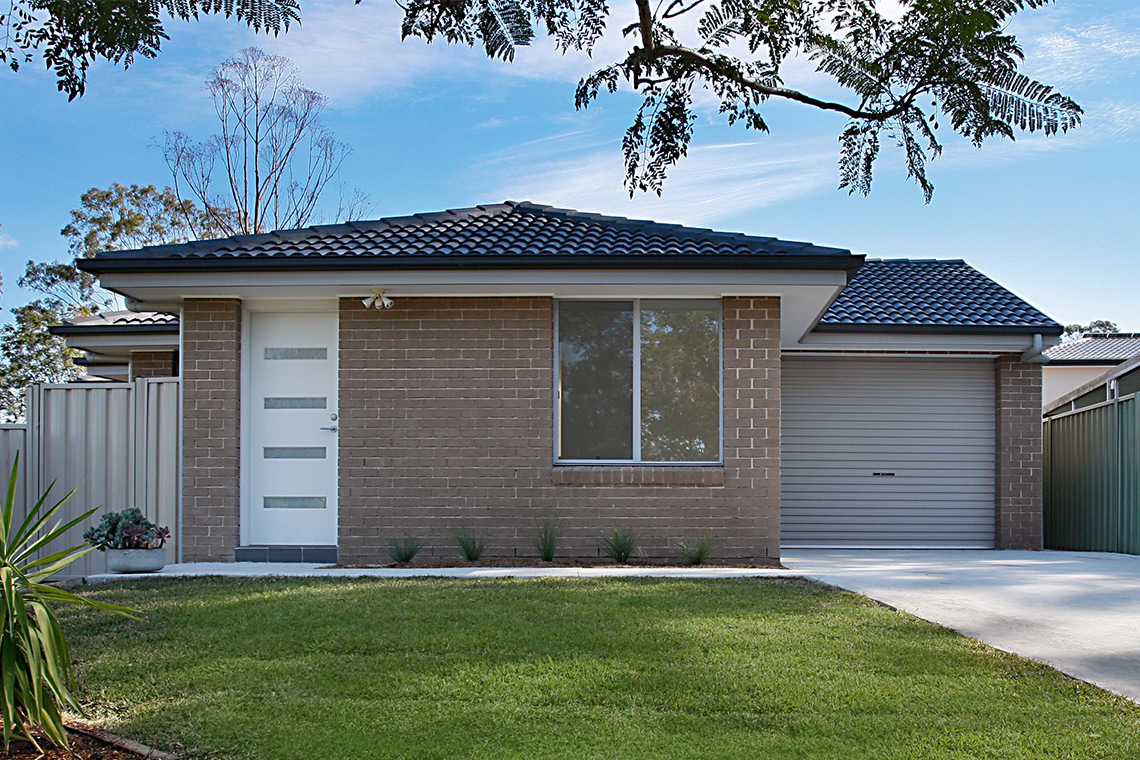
column 136, row 560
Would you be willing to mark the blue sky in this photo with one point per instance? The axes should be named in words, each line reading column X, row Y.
column 435, row 127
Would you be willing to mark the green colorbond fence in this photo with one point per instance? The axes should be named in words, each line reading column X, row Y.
column 1092, row 478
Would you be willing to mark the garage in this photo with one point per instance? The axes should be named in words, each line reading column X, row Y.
column 888, row 452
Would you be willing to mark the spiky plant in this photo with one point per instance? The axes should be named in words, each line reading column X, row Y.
column 470, row 544
column 549, row 533
column 405, row 549
column 620, row 545
column 37, row 678
column 695, row 552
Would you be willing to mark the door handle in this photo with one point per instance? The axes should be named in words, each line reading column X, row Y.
column 332, row 428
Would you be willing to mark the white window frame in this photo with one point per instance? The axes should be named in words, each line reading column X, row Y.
column 636, row 461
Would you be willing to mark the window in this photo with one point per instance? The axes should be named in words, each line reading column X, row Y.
column 639, row 381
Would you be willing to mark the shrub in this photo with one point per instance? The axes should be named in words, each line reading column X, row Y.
column 470, row 544
column 38, row 677
column 619, row 546
column 696, row 552
column 128, row 529
column 549, row 532
column 404, row 549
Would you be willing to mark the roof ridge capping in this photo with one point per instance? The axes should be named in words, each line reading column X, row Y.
column 302, row 233
column 673, row 227
column 915, row 261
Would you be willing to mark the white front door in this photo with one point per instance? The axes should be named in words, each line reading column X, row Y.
column 292, row 429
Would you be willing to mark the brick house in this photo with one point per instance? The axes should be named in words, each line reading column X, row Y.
column 122, row 345
column 488, row 368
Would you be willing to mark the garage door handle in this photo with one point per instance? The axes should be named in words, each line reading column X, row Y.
column 332, row 428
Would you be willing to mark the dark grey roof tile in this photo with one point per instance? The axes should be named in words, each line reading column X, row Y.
column 908, row 294
column 502, row 230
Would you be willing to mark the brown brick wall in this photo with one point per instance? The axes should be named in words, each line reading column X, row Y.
column 446, row 422
column 1019, row 455
column 211, row 396
column 154, row 364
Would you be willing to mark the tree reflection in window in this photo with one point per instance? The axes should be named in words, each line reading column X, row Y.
column 680, row 381
column 595, row 353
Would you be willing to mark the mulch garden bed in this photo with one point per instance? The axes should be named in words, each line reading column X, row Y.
column 90, row 743
column 535, row 562
column 83, row 747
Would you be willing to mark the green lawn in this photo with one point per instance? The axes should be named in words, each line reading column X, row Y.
column 325, row 669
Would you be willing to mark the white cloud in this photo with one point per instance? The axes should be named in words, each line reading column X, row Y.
column 349, row 52
column 1113, row 119
column 1083, row 55
column 7, row 241
column 716, row 181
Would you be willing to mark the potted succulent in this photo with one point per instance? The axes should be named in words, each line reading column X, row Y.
column 133, row 543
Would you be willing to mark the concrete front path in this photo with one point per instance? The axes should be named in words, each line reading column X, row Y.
column 1076, row 611
column 305, row 570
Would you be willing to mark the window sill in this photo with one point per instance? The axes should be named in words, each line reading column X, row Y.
column 631, row 475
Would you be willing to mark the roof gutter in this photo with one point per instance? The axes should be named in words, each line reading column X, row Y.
column 73, row 330
column 97, row 266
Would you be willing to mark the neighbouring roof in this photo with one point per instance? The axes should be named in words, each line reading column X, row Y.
column 505, row 234
column 115, row 322
column 926, row 295
column 1108, row 349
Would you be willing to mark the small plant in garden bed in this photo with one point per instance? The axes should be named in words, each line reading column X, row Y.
column 470, row 544
column 620, row 545
column 128, row 529
column 404, row 549
column 549, row 532
column 695, row 552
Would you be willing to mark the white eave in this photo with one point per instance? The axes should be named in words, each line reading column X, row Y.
column 805, row 294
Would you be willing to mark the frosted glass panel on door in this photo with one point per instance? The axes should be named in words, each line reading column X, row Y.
column 296, row 353
column 294, row 502
column 295, row 452
column 296, row 402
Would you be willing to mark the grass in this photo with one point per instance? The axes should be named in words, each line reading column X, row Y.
column 558, row 668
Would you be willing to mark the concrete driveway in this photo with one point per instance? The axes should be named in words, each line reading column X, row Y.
column 1076, row 611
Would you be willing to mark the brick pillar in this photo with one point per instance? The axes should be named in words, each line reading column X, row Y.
column 1019, row 454
column 752, row 420
column 211, row 397
column 154, row 364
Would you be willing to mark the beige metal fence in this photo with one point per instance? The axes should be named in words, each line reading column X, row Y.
column 116, row 444
column 13, row 440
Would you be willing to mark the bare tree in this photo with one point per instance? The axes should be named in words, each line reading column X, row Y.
column 272, row 160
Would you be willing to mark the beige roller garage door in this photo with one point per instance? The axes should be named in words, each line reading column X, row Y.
column 888, row 453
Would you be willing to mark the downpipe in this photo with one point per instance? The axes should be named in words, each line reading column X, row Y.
column 1035, row 354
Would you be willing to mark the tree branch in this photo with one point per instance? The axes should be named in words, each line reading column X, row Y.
column 713, row 66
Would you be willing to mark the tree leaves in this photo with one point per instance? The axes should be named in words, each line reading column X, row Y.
column 940, row 61
column 70, row 35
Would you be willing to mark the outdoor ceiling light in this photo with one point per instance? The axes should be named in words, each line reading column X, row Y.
column 378, row 300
